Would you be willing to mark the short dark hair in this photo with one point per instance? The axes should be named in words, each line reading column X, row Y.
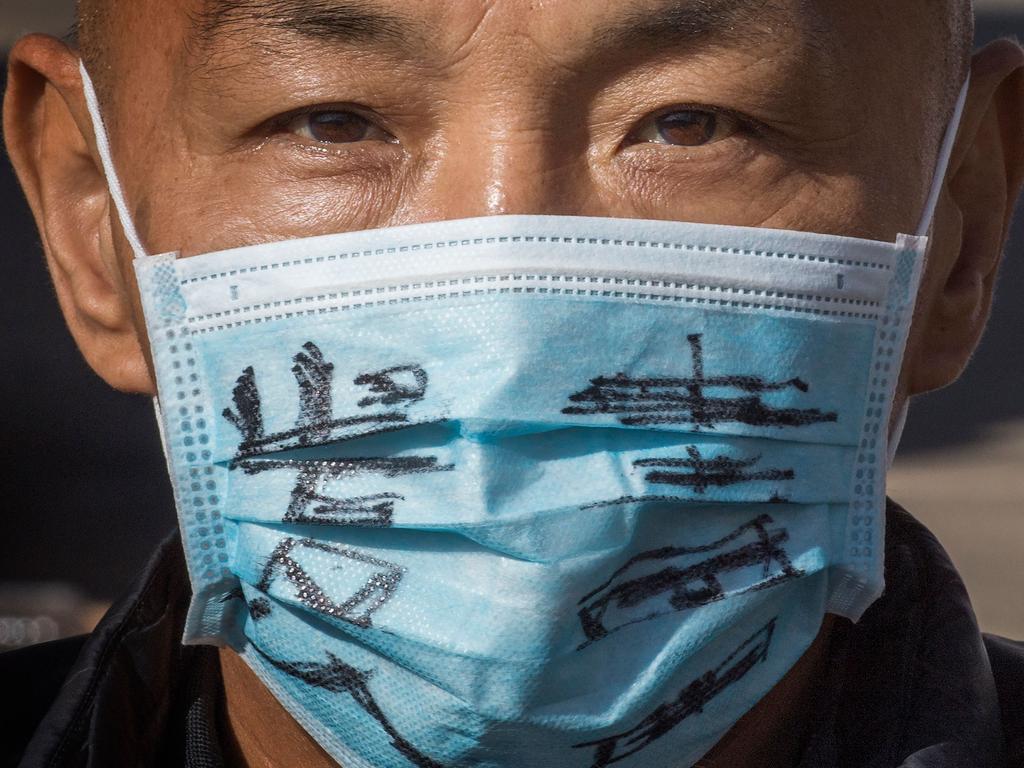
column 92, row 34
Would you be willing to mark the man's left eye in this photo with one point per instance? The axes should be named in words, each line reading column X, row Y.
column 685, row 128
column 337, row 127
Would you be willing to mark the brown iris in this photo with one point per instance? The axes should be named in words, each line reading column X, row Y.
column 687, row 128
column 337, row 127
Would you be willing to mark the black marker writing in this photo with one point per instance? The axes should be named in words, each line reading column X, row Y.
column 314, row 377
column 403, row 383
column 651, row 401
column 309, row 505
column 248, row 414
column 705, row 473
column 666, row 580
column 382, row 579
column 690, row 701
column 336, row 676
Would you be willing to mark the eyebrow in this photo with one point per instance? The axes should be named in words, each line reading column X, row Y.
column 678, row 23
column 332, row 21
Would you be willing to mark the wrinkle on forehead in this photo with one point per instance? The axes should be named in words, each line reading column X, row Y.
column 342, row 20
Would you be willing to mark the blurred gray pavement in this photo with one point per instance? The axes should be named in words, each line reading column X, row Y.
column 972, row 498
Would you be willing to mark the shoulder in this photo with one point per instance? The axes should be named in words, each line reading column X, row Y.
column 32, row 678
column 918, row 685
column 1007, row 659
column 107, row 699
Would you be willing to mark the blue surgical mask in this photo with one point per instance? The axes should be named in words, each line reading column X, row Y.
column 528, row 490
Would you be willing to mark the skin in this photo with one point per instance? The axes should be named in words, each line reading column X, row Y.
column 514, row 110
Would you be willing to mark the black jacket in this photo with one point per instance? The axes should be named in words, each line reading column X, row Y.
column 914, row 684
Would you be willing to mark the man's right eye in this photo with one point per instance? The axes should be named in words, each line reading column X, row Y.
column 337, row 127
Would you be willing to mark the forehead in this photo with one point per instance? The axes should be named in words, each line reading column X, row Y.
column 430, row 24
column 440, row 31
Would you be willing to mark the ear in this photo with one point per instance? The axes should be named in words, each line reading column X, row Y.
column 973, row 219
column 50, row 141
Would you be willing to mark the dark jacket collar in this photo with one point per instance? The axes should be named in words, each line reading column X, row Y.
column 136, row 696
column 911, row 683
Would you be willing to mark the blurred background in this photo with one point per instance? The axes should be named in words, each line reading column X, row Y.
column 86, row 497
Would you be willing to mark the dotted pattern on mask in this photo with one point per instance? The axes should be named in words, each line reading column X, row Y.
column 541, row 285
column 159, row 287
column 865, row 527
column 188, row 424
column 441, row 244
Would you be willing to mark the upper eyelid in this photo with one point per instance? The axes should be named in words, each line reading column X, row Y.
column 740, row 118
column 283, row 120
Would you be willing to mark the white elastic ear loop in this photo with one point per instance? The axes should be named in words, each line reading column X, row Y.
column 114, row 185
column 942, row 166
column 103, row 145
column 938, row 181
column 923, row 229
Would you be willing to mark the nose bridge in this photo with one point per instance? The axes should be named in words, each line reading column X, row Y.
column 509, row 159
column 519, row 172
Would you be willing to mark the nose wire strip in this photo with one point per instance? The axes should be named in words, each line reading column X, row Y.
column 103, row 146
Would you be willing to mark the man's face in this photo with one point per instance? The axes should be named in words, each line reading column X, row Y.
column 282, row 120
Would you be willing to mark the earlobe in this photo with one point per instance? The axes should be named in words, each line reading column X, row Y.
column 973, row 220
column 49, row 141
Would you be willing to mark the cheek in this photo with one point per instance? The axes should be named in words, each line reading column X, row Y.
column 242, row 204
column 760, row 192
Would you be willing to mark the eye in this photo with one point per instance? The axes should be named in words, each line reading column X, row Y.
column 337, row 127
column 686, row 128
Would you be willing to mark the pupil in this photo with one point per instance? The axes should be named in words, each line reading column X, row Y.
column 337, row 127
column 688, row 129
